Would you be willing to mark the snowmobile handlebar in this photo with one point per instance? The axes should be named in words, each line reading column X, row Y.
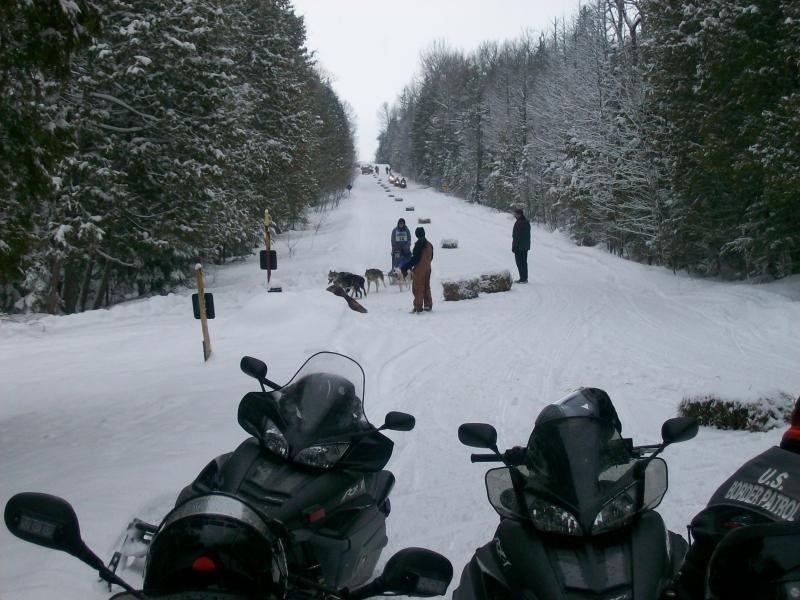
column 485, row 458
column 513, row 457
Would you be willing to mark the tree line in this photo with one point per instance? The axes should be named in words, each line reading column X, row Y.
column 138, row 138
column 667, row 130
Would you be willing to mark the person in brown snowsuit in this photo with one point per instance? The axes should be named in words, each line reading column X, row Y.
column 421, row 257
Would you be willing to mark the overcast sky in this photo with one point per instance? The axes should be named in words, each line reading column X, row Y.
column 370, row 49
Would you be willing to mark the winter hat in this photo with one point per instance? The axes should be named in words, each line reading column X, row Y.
column 419, row 232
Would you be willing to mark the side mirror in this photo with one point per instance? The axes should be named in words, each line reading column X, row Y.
column 678, row 429
column 51, row 522
column 44, row 520
column 398, row 421
column 478, row 435
column 415, row 572
column 257, row 369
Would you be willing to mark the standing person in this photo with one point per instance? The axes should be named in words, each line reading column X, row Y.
column 421, row 258
column 401, row 243
column 520, row 244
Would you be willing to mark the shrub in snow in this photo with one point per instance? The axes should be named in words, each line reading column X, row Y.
column 464, row 289
column 398, row 199
column 422, row 221
column 499, row 281
column 409, row 208
column 449, row 243
column 761, row 414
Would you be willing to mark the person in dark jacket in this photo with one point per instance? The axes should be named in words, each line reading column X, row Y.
column 401, row 243
column 521, row 243
column 421, row 258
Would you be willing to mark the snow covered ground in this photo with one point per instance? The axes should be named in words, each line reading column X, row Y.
column 115, row 410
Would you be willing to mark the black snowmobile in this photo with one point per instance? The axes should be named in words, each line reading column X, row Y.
column 218, row 548
column 576, row 508
column 746, row 541
column 313, row 468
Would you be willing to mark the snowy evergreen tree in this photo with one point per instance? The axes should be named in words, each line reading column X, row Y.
column 39, row 39
column 724, row 74
column 162, row 142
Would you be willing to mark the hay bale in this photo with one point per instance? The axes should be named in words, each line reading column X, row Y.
column 422, row 221
column 409, row 208
column 465, row 289
column 449, row 243
column 761, row 414
column 499, row 281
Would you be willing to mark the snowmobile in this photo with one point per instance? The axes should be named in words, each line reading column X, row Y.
column 576, row 508
column 314, row 464
column 746, row 541
column 241, row 557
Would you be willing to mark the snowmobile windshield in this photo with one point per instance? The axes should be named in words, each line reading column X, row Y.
column 578, row 459
column 323, row 401
column 579, row 479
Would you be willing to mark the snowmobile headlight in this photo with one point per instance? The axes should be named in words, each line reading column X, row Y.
column 274, row 440
column 552, row 518
column 618, row 512
column 322, row 456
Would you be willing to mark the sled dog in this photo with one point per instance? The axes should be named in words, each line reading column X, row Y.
column 354, row 284
column 396, row 278
column 374, row 276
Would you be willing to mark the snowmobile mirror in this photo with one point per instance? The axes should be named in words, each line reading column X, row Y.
column 478, row 435
column 257, row 369
column 678, row 429
column 44, row 520
column 417, row 572
column 398, row 421
column 51, row 522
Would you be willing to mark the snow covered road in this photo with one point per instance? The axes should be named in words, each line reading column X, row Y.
column 115, row 410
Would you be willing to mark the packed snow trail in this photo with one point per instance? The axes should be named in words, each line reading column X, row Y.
column 116, row 411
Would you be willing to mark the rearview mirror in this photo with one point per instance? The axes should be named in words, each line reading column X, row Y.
column 478, row 435
column 44, row 520
column 398, row 421
column 51, row 522
column 417, row 572
column 678, row 429
column 255, row 368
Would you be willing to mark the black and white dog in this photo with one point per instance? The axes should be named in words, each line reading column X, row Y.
column 354, row 284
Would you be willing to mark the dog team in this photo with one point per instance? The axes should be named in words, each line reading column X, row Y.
column 355, row 284
column 408, row 267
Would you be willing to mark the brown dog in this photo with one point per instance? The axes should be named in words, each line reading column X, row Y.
column 374, row 276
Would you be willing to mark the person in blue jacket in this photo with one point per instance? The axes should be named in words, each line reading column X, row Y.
column 401, row 244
